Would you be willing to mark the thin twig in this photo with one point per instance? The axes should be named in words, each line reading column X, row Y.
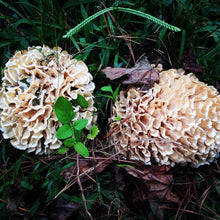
column 81, row 188
column 23, row 209
column 115, row 128
column 122, row 33
column 181, row 203
column 189, row 211
column 84, row 173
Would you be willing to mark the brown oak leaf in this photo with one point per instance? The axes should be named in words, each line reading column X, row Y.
column 157, row 185
column 141, row 74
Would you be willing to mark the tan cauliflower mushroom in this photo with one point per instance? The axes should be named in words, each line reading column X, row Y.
column 33, row 79
column 176, row 121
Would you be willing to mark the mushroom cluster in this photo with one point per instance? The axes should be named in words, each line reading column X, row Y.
column 176, row 121
column 33, row 80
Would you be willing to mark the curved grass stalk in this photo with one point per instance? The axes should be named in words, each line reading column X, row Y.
column 128, row 10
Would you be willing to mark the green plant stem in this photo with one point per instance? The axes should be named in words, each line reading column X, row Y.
column 128, row 10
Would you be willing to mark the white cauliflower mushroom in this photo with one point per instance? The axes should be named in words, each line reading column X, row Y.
column 176, row 121
column 33, row 80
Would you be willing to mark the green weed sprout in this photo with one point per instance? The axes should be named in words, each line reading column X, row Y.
column 110, row 93
column 71, row 132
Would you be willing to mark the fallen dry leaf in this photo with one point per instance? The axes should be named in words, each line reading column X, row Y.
column 119, row 178
column 86, row 166
column 157, row 184
column 154, row 186
column 15, row 197
column 141, row 74
column 63, row 211
column 151, row 184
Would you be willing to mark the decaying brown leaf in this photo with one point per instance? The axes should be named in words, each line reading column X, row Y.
column 146, row 186
column 157, row 182
column 15, row 198
column 119, row 178
column 141, row 74
column 63, row 211
column 154, row 186
column 143, row 183
column 89, row 167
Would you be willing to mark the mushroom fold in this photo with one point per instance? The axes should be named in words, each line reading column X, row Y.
column 33, row 79
column 176, row 121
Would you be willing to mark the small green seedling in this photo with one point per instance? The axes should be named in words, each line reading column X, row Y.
column 69, row 132
column 112, row 95
column 117, row 118
column 93, row 132
column 108, row 89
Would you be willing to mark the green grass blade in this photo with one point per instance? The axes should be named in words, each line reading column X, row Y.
column 97, row 45
column 85, row 22
column 27, row 3
column 210, row 53
column 71, row 3
column 7, row 5
column 183, row 40
column 75, row 43
column 42, row 21
column 21, row 21
column 127, row 10
column 6, row 43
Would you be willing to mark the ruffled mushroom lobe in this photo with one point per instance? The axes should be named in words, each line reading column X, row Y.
column 33, row 79
column 176, row 121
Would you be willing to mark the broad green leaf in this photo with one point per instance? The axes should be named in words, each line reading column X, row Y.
column 81, row 149
column 64, row 110
column 78, row 134
column 93, row 132
column 107, row 89
column 80, row 124
column 62, row 150
column 69, row 142
column 64, row 132
column 82, row 101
